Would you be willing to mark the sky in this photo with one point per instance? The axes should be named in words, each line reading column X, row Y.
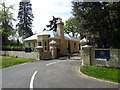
column 43, row 10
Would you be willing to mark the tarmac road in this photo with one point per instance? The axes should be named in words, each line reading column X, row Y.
column 50, row 74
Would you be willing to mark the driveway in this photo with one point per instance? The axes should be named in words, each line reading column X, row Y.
column 50, row 74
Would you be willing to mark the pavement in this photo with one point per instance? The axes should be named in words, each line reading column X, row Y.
column 57, row 73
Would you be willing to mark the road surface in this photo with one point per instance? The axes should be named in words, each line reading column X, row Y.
column 50, row 74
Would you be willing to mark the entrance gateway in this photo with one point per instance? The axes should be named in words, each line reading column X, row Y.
column 64, row 43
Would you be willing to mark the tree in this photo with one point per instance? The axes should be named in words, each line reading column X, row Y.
column 73, row 25
column 6, row 18
column 25, row 18
column 99, row 19
column 70, row 26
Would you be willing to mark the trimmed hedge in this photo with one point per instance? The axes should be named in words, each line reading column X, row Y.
column 13, row 48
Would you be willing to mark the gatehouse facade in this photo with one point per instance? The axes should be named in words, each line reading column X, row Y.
column 55, row 43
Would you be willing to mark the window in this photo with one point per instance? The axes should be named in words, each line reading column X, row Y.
column 79, row 46
column 74, row 45
column 69, row 47
column 45, row 47
column 45, row 44
column 29, row 44
column 68, row 44
column 34, row 44
column 39, row 43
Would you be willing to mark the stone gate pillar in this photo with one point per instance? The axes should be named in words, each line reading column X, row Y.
column 86, row 55
column 53, row 49
column 39, row 50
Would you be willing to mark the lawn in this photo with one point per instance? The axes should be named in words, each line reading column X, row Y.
column 111, row 74
column 10, row 61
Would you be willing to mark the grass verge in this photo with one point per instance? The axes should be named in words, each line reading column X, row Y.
column 10, row 61
column 105, row 73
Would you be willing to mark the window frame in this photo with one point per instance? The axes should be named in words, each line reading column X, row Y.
column 39, row 43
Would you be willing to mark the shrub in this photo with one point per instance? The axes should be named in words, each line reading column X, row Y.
column 13, row 48
column 16, row 48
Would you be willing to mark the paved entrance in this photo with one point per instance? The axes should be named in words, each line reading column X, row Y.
column 74, row 56
column 50, row 74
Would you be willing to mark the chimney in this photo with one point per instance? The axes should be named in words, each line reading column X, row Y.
column 60, row 28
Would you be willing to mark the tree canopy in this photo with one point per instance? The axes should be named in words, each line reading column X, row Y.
column 100, row 20
column 6, row 18
column 70, row 26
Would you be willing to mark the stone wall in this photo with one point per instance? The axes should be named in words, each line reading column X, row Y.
column 63, row 46
column 88, row 57
column 22, row 54
column 113, row 62
column 74, row 46
column 46, row 56
column 44, row 42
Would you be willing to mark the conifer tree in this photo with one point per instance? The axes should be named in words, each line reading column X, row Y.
column 25, row 18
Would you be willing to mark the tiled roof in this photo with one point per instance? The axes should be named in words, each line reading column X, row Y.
column 67, row 36
column 52, row 34
column 33, row 37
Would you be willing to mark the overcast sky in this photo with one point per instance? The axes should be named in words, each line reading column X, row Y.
column 43, row 11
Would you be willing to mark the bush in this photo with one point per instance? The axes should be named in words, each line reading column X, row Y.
column 15, row 43
column 6, row 48
column 13, row 48
column 18, row 48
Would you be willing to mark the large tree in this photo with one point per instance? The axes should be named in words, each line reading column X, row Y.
column 72, row 25
column 101, row 20
column 25, row 18
column 6, row 27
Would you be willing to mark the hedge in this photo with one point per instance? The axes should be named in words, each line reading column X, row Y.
column 13, row 48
